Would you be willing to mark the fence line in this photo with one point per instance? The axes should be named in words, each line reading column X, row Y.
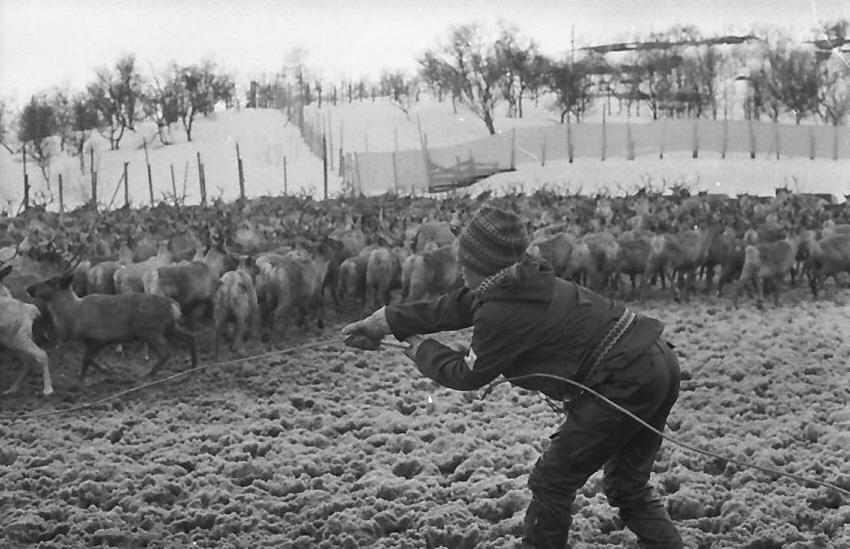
column 414, row 170
column 426, row 168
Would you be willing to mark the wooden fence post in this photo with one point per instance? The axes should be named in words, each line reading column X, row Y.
column 426, row 156
column 776, row 138
column 395, row 159
column 543, row 151
column 148, row 163
column 173, row 184
column 285, row 182
column 330, row 143
column 630, row 144
column 695, row 152
column 325, row 164
column 835, row 142
column 811, row 143
column 115, row 192
column 93, row 179
column 202, row 182
column 185, row 180
column 359, row 186
column 126, row 186
column 395, row 171
column 241, row 173
column 604, row 137
column 341, row 153
column 569, row 141
column 513, row 148
column 752, row 138
column 61, row 195
column 662, row 141
column 26, row 179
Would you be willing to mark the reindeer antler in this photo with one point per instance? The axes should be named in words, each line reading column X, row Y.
column 76, row 259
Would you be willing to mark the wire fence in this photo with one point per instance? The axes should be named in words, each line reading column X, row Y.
column 435, row 169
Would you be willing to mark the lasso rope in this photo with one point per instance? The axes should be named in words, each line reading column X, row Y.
column 487, row 392
column 165, row 379
column 675, row 441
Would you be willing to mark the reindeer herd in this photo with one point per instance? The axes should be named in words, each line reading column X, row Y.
column 253, row 275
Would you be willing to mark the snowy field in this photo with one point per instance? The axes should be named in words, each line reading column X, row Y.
column 268, row 142
column 315, row 445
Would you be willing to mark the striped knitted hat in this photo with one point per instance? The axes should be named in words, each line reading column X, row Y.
column 491, row 241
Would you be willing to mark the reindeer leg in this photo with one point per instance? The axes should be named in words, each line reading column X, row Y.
column 216, row 342
column 26, row 369
column 40, row 357
column 776, row 291
column 29, row 354
column 189, row 340
column 237, row 341
column 320, row 317
column 759, row 292
column 678, row 283
column 160, row 346
column 336, row 299
column 91, row 351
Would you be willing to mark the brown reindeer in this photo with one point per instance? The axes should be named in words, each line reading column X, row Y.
column 99, row 320
column 767, row 262
column 682, row 254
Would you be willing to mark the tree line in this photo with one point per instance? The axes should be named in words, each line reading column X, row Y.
column 118, row 98
column 672, row 73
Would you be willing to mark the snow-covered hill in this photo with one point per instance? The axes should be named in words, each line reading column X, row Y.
column 266, row 138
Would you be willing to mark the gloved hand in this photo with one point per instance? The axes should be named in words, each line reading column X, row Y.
column 374, row 328
column 413, row 345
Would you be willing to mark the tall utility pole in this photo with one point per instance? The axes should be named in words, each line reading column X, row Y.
column 572, row 45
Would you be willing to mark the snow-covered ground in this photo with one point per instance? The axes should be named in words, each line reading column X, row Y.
column 322, row 446
column 267, row 140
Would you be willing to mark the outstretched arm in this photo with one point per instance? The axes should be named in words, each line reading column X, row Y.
column 491, row 353
column 448, row 312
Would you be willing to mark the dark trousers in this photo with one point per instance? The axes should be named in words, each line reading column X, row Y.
column 594, row 436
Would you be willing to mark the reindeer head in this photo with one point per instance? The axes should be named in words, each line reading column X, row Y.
column 46, row 289
column 58, row 283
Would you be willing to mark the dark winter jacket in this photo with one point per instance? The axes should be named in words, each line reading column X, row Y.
column 533, row 323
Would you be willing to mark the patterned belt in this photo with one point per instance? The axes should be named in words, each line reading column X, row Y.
column 611, row 338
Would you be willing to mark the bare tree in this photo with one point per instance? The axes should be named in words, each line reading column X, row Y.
column 701, row 71
column 37, row 128
column 439, row 77
column 116, row 93
column 572, row 84
column 85, row 121
column 198, row 88
column 656, row 71
column 517, row 55
column 470, row 64
column 160, row 103
column 402, row 90
column 798, row 79
column 4, row 121
column 834, row 91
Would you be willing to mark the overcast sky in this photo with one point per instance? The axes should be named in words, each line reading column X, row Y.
column 45, row 43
